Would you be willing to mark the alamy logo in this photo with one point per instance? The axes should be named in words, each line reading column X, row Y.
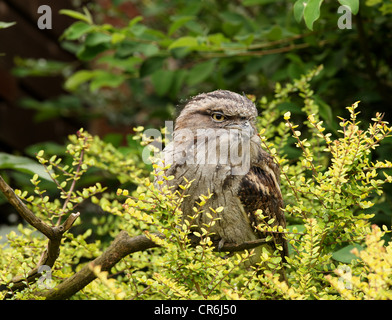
column 345, row 277
column 345, row 20
column 45, row 20
column 45, row 281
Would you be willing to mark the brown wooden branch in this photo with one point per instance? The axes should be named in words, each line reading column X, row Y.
column 53, row 233
column 122, row 246
column 259, row 53
column 25, row 212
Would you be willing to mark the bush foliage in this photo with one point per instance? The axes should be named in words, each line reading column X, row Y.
column 298, row 67
column 330, row 184
column 136, row 68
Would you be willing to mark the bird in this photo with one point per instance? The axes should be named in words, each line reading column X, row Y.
column 216, row 146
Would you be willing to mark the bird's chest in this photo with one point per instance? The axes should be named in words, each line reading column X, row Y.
column 212, row 201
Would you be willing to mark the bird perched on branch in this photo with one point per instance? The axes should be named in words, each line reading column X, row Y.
column 216, row 146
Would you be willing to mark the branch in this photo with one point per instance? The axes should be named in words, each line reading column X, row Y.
column 234, row 247
column 121, row 246
column 25, row 212
column 75, row 178
column 54, row 235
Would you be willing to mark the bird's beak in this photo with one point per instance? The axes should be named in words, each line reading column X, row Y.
column 239, row 125
column 242, row 125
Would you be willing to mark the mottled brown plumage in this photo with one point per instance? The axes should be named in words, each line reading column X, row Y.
column 215, row 144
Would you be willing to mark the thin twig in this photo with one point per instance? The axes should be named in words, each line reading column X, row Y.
column 258, row 52
column 71, row 189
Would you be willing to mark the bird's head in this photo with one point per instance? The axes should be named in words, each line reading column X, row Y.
column 220, row 109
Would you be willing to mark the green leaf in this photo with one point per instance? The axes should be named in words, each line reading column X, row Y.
column 299, row 7
column 162, row 81
column 178, row 23
column 217, row 39
column 151, row 65
column 275, row 33
column 344, row 255
column 98, row 78
column 106, row 79
column 129, row 48
column 294, row 70
column 38, row 67
column 23, row 164
column 352, row 4
column 77, row 79
column 135, row 21
column 76, row 30
column 147, row 49
column 177, row 82
column 324, row 109
column 4, row 25
column 77, row 15
column 312, row 12
column 96, row 38
column 118, row 37
column 52, row 108
column 184, row 42
column 129, row 65
column 113, row 138
column 200, row 72
column 371, row 3
column 87, row 53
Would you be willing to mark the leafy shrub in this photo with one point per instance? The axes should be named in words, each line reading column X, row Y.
column 330, row 183
column 170, row 51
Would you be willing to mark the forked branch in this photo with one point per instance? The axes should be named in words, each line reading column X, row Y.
column 53, row 233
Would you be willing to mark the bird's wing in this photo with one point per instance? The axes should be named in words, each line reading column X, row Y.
column 259, row 189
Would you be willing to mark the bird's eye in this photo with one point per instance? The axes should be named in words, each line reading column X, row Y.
column 218, row 117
